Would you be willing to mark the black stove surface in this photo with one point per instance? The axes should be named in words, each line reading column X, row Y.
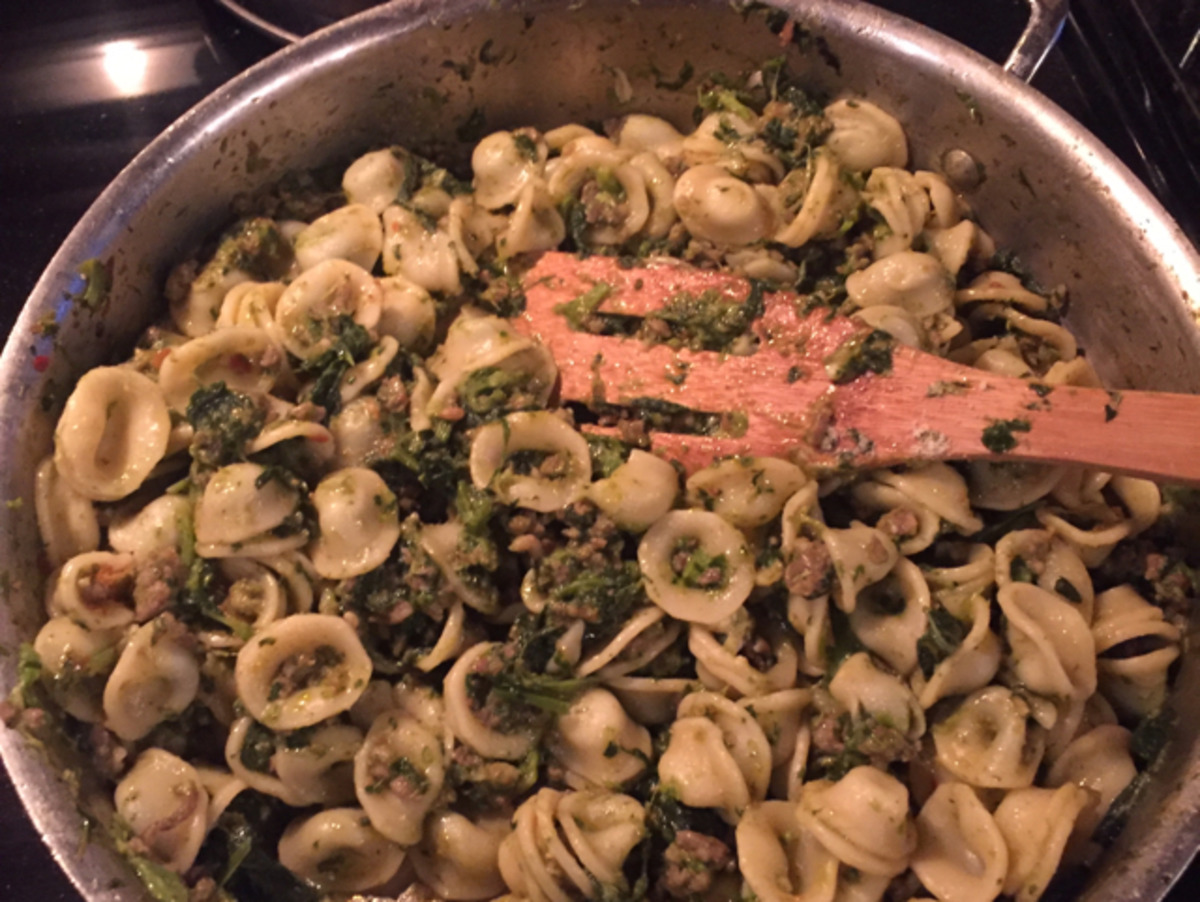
column 86, row 84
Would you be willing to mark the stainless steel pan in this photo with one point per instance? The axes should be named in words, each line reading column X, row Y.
column 399, row 73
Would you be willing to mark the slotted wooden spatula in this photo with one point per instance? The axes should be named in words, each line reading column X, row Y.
column 823, row 390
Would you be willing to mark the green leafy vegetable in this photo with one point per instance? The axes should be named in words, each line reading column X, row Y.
column 224, row 421
column 998, row 436
column 868, row 353
column 943, row 635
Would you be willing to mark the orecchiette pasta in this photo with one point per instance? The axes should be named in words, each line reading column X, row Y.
column 332, row 525
column 111, row 434
column 337, row 850
column 165, row 805
column 301, row 670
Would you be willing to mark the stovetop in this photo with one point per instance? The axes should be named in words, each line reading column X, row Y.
column 85, row 84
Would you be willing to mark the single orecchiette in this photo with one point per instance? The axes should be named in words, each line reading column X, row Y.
column 359, row 523
column 478, row 344
column 893, row 614
column 969, row 667
column 1135, row 645
column 915, row 283
column 153, row 527
column 864, row 136
column 531, row 459
column 462, row 716
column 155, row 678
column 245, row 358
column 241, row 512
column 351, row 233
column 95, row 589
column 112, row 432
column 535, row 225
column 407, row 313
column 1036, row 824
column 76, row 660
column 398, row 774
column 719, row 207
column 1099, row 761
column 989, row 741
column 861, row 556
column 863, row 689
column 1053, row 653
column 568, row 844
column 862, row 819
column 772, row 856
column 301, row 670
column 746, row 491
column 598, row 744
column 696, row 566
column 66, row 519
column 319, row 770
column 417, row 249
column 961, row 855
column 375, row 179
column 717, row 757
column 504, row 163
column 165, row 805
column 338, row 851
column 311, row 309
column 458, row 858
column 638, row 493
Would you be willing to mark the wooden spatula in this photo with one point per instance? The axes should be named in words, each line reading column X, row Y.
column 823, row 390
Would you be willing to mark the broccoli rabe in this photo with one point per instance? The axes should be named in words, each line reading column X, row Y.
column 224, row 421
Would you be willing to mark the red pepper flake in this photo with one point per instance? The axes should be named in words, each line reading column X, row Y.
column 41, row 363
column 785, row 36
column 159, row 357
column 319, row 437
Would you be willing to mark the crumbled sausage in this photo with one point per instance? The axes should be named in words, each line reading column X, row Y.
column 899, row 523
column 810, row 571
column 692, row 861
column 158, row 576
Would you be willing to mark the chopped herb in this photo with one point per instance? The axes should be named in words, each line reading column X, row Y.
column 998, row 435
column 1041, row 389
column 29, row 675
column 405, row 770
column 867, row 353
column 97, row 283
column 972, row 106
column 794, row 375
column 526, row 146
column 709, row 321
column 1112, row 408
column 580, row 311
column 686, row 71
column 607, row 453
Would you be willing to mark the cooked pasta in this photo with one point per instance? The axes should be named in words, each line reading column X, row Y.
column 339, row 585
